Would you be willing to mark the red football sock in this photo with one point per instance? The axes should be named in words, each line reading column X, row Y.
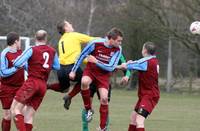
column 140, row 129
column 19, row 122
column 55, row 87
column 132, row 127
column 75, row 90
column 29, row 127
column 103, row 115
column 5, row 125
column 86, row 98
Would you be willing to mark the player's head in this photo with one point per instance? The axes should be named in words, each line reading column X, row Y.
column 64, row 26
column 115, row 37
column 41, row 36
column 149, row 48
column 13, row 40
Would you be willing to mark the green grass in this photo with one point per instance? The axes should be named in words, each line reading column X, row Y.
column 175, row 112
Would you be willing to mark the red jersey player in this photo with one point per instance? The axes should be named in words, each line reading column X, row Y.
column 148, row 91
column 11, row 77
column 104, row 57
column 41, row 59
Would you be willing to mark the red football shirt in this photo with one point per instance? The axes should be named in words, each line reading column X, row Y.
column 148, row 80
column 41, row 61
column 17, row 78
column 103, row 54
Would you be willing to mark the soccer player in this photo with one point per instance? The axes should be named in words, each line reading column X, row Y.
column 124, row 80
column 11, row 77
column 41, row 59
column 94, row 90
column 103, row 57
column 148, row 91
column 69, row 48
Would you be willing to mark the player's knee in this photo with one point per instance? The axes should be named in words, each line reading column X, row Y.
column 133, row 118
column 29, row 114
column 28, row 117
column 15, row 111
column 15, row 108
column 7, row 114
column 85, row 83
column 140, row 121
column 104, row 100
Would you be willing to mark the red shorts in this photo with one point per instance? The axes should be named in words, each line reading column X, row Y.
column 32, row 92
column 7, row 94
column 101, row 80
column 146, row 102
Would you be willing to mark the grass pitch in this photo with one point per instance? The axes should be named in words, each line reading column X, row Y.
column 175, row 112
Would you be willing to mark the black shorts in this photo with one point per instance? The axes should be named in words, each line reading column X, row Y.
column 93, row 90
column 63, row 76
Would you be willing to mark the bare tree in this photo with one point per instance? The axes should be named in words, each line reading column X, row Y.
column 92, row 10
column 169, row 67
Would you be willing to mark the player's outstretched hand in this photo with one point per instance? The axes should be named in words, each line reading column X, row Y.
column 130, row 61
column 72, row 75
column 124, row 80
column 123, row 66
column 91, row 59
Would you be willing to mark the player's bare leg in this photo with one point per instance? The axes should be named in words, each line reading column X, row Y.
column 132, row 125
column 85, row 92
column 6, row 122
column 140, row 122
column 103, row 108
column 29, row 113
column 16, row 110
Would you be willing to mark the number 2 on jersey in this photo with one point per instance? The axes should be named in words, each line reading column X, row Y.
column 46, row 58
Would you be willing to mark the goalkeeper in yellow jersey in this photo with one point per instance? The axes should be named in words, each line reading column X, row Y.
column 69, row 48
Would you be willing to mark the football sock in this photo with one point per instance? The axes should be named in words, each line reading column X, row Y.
column 84, row 121
column 75, row 90
column 103, row 115
column 5, row 125
column 108, row 123
column 19, row 122
column 29, row 127
column 140, row 129
column 132, row 127
column 54, row 87
column 86, row 98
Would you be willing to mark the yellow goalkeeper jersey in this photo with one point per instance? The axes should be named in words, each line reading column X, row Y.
column 69, row 46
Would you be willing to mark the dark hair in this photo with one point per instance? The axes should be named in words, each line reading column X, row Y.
column 60, row 27
column 11, row 38
column 114, row 33
column 150, row 47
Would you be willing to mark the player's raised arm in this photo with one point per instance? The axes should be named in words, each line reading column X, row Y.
column 142, row 66
column 4, row 70
column 22, row 59
column 56, row 63
column 86, row 51
column 112, row 64
column 83, row 38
